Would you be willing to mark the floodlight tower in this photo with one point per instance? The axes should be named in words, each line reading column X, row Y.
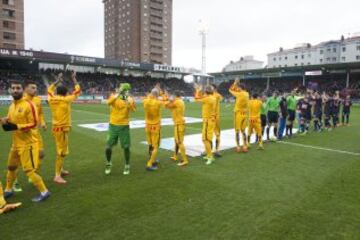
column 203, row 30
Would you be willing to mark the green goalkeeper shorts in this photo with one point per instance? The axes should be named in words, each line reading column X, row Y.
column 118, row 132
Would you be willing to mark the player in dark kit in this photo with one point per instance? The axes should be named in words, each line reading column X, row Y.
column 328, row 106
column 336, row 109
column 305, row 110
column 291, row 108
column 318, row 105
column 346, row 110
column 283, row 116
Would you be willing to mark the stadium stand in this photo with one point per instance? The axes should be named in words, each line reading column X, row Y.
column 97, row 83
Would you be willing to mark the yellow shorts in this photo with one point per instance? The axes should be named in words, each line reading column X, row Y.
column 27, row 157
column 40, row 139
column 153, row 135
column 241, row 121
column 217, row 129
column 255, row 126
column 208, row 129
column 61, row 141
column 179, row 133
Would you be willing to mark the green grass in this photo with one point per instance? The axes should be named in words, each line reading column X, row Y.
column 284, row 192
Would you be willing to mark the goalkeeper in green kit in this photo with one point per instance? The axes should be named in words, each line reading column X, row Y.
column 121, row 104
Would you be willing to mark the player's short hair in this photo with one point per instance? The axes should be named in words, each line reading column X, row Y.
column 255, row 95
column 177, row 93
column 155, row 92
column 209, row 89
column 62, row 90
column 16, row 82
column 29, row 82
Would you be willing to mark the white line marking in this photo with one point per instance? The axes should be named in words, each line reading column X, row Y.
column 320, row 148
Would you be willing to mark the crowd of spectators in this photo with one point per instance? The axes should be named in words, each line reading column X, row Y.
column 103, row 84
column 287, row 85
column 97, row 83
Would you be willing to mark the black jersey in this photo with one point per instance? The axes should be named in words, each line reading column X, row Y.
column 346, row 105
column 283, row 107
column 305, row 108
column 328, row 106
column 336, row 106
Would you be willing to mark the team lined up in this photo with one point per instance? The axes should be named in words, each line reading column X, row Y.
column 253, row 114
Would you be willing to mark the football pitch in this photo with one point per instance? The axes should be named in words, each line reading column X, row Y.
column 307, row 188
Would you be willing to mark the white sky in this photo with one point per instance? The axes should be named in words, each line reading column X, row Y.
column 236, row 28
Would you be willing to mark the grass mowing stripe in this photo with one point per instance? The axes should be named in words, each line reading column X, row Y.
column 320, row 148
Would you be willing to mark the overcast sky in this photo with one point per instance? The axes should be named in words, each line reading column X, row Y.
column 236, row 28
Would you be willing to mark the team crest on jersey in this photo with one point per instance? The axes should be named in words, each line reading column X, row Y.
column 20, row 110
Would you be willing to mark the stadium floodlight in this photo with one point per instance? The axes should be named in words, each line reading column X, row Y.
column 203, row 30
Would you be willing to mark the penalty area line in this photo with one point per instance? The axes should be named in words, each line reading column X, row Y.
column 320, row 148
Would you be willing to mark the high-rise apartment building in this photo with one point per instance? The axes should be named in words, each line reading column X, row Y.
column 139, row 30
column 12, row 24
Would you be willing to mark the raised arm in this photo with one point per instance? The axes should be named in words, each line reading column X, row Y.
column 234, row 89
column 199, row 97
column 77, row 90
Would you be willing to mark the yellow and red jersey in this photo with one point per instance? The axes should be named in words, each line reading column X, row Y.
column 209, row 104
column 23, row 113
column 152, row 109
column 219, row 98
column 36, row 100
column 61, row 106
column 177, row 108
column 255, row 108
column 242, row 100
column 120, row 110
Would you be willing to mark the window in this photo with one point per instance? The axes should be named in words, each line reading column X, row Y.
column 295, row 64
column 302, row 56
column 286, row 58
column 343, row 59
column 9, row 2
column 321, row 60
column 329, row 49
column 358, row 57
column 274, row 58
column 9, row 36
column 334, row 49
column 309, row 55
column 8, row 13
column 279, row 58
column 321, row 51
column 9, row 25
column 358, row 48
column 328, row 59
column 334, row 59
column 296, row 56
column 344, row 49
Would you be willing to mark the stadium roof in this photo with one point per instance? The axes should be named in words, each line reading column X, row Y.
column 299, row 71
column 62, row 58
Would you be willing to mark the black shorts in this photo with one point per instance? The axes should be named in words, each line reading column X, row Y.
column 291, row 115
column 263, row 120
column 318, row 115
column 273, row 117
column 306, row 116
